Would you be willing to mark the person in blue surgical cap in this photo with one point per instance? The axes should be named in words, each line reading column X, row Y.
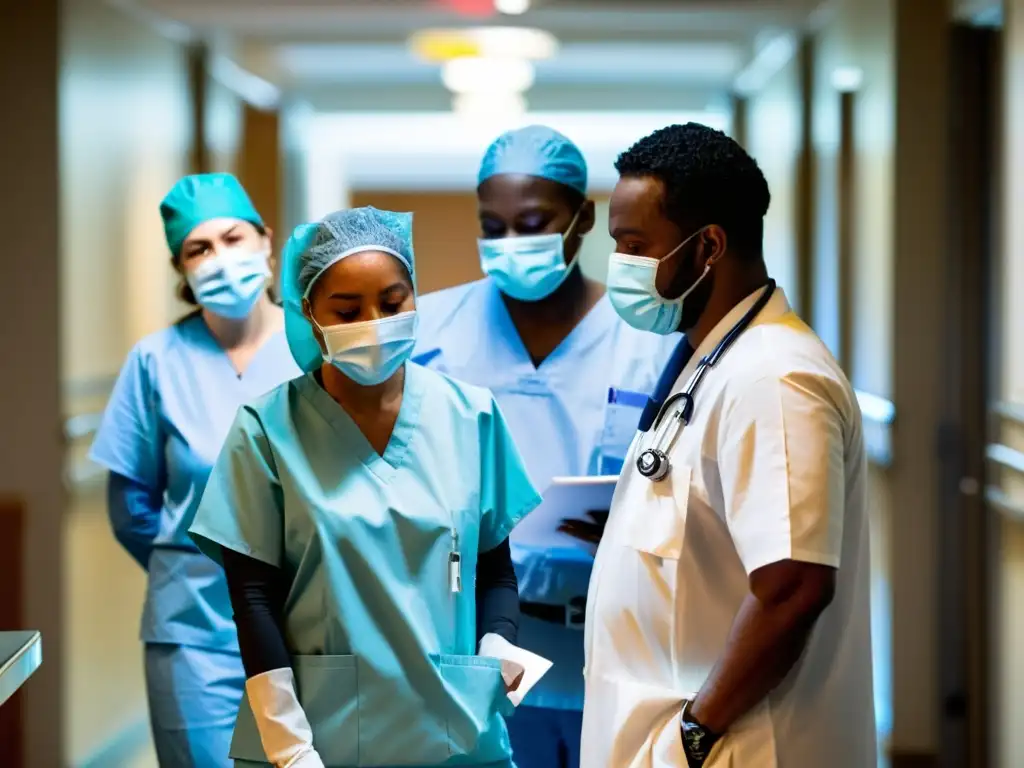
column 362, row 515
column 570, row 376
column 163, row 427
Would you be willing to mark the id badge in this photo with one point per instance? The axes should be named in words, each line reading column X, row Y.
column 621, row 417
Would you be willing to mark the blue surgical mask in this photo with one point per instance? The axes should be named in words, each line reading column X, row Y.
column 634, row 294
column 527, row 268
column 230, row 283
column 372, row 351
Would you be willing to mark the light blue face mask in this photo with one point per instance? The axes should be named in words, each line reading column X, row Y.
column 633, row 291
column 372, row 351
column 230, row 283
column 527, row 268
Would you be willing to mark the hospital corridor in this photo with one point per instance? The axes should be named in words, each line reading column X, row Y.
column 512, row 383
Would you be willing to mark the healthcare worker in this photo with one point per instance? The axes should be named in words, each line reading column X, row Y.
column 571, row 378
column 362, row 514
column 728, row 616
column 167, row 417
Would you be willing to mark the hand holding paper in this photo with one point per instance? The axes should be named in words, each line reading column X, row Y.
column 520, row 669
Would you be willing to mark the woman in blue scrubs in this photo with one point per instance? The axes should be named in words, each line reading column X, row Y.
column 163, row 427
column 362, row 515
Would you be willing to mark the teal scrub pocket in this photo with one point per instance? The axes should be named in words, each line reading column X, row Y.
column 328, row 688
column 369, row 716
column 476, row 728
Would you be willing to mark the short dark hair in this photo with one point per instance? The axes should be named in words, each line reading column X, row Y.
column 708, row 179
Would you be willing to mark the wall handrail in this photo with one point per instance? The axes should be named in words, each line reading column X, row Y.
column 1000, row 501
column 83, row 425
column 1011, row 411
column 94, row 386
column 1006, row 457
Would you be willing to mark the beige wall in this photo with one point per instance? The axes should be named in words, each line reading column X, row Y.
column 1010, row 581
column 773, row 125
column 125, row 138
column 445, row 231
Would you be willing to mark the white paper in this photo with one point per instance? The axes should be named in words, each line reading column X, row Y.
column 566, row 497
column 515, row 661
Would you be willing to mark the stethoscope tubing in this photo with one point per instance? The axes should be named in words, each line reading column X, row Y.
column 653, row 462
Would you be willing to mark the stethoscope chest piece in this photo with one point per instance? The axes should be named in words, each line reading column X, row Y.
column 653, row 464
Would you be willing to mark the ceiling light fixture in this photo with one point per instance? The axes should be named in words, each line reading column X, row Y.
column 492, row 106
column 512, row 7
column 437, row 46
column 483, row 74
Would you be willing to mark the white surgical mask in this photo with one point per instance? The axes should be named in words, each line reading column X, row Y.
column 633, row 292
column 527, row 268
column 371, row 351
column 230, row 283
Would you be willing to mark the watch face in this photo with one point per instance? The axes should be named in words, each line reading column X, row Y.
column 697, row 741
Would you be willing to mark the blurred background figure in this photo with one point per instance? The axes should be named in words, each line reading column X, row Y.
column 890, row 133
column 547, row 342
column 168, row 414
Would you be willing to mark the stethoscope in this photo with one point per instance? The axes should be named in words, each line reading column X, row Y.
column 653, row 462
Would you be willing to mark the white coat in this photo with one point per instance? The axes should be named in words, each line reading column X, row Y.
column 771, row 467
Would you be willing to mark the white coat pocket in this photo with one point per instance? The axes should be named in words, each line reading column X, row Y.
column 658, row 520
column 750, row 742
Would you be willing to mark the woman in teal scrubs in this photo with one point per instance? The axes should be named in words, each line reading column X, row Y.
column 362, row 515
column 162, row 429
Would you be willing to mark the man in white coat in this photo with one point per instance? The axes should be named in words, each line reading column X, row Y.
column 728, row 616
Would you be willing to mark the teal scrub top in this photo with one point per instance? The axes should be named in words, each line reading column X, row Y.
column 574, row 414
column 384, row 652
column 163, row 427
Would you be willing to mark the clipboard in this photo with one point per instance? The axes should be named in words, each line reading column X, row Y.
column 554, row 567
column 566, row 497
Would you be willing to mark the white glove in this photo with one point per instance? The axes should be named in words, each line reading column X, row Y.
column 284, row 730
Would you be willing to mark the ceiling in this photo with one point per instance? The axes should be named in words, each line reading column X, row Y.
column 634, row 55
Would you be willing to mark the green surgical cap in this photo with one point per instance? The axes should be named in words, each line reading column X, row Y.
column 536, row 151
column 199, row 198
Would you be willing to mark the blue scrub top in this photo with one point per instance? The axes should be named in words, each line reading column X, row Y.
column 384, row 652
column 163, row 427
column 575, row 414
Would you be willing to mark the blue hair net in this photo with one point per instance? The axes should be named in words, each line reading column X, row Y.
column 313, row 248
column 536, row 151
column 199, row 198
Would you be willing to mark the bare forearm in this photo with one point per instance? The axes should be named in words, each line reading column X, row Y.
column 763, row 646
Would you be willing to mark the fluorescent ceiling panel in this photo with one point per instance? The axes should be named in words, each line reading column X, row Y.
column 575, row 63
column 442, row 151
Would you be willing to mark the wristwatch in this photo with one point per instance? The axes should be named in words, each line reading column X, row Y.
column 697, row 740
